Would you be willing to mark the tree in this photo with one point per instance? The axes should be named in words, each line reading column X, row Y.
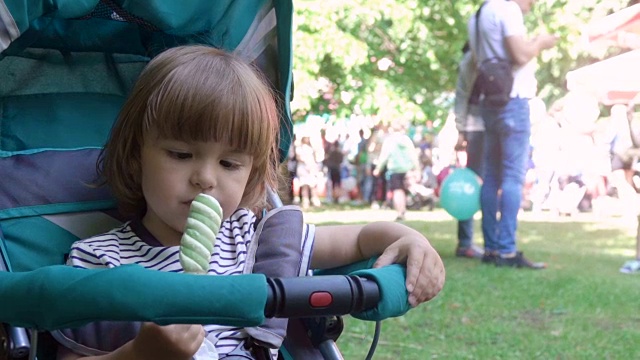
column 398, row 58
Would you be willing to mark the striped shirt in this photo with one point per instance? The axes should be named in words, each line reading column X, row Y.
column 132, row 243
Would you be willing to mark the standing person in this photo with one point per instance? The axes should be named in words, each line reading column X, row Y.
column 502, row 34
column 379, row 188
column 624, row 174
column 183, row 132
column 399, row 156
column 307, row 172
column 470, row 138
column 292, row 166
column 333, row 161
column 363, row 173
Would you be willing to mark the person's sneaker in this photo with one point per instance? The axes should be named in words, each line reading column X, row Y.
column 489, row 258
column 631, row 267
column 519, row 261
column 471, row 252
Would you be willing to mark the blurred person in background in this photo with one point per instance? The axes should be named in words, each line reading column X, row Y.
column 501, row 34
column 379, row 188
column 307, row 171
column 334, row 157
column 627, row 175
column 399, row 156
column 470, row 139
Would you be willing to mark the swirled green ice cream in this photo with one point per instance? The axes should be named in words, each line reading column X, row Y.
column 199, row 237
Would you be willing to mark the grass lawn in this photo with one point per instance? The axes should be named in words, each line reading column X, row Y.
column 581, row 307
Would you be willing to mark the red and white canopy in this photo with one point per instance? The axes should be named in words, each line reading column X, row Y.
column 620, row 29
column 615, row 80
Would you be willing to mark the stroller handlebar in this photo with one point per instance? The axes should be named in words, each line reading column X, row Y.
column 59, row 296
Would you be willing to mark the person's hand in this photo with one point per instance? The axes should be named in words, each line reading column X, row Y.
column 547, row 41
column 170, row 342
column 425, row 271
column 376, row 172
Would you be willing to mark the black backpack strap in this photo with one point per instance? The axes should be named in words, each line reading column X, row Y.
column 478, row 32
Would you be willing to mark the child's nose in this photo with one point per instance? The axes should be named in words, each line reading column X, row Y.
column 204, row 178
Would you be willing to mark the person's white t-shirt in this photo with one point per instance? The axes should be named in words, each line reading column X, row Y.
column 500, row 19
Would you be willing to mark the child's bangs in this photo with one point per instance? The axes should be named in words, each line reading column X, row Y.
column 221, row 108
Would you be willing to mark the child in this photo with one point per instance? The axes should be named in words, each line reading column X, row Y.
column 200, row 120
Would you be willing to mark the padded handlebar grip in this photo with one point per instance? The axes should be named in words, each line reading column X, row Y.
column 59, row 296
column 320, row 296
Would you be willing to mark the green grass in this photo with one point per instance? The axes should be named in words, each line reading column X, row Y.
column 581, row 307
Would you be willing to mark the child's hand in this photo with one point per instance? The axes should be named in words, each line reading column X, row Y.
column 170, row 342
column 425, row 271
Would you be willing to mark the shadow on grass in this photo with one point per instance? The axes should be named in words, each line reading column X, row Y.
column 580, row 307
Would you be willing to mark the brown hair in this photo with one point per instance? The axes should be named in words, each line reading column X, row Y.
column 194, row 93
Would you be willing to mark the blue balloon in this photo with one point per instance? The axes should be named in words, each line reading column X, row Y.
column 460, row 193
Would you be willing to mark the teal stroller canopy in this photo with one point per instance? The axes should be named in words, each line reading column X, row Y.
column 104, row 45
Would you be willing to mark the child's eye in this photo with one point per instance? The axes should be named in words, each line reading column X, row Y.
column 229, row 165
column 179, row 155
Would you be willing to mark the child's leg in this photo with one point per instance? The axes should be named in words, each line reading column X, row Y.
column 400, row 202
column 305, row 195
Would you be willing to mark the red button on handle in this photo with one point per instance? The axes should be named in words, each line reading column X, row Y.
column 320, row 299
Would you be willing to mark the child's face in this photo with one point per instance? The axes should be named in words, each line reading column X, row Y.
column 174, row 172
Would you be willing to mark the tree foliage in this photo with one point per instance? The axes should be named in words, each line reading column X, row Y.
column 398, row 58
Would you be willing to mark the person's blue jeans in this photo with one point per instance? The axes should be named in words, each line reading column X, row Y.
column 506, row 150
column 475, row 141
column 367, row 188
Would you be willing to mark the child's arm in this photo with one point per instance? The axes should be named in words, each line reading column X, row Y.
column 395, row 243
column 171, row 342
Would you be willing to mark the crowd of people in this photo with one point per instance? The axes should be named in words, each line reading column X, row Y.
column 572, row 164
column 565, row 158
column 378, row 165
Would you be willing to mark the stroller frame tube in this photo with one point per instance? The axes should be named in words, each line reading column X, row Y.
column 18, row 340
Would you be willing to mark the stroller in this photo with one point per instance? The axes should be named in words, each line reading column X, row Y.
column 66, row 68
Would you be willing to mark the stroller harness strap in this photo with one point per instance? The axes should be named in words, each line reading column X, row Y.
column 278, row 254
column 8, row 28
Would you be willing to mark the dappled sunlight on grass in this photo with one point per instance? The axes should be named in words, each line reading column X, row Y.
column 577, row 236
column 578, row 308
